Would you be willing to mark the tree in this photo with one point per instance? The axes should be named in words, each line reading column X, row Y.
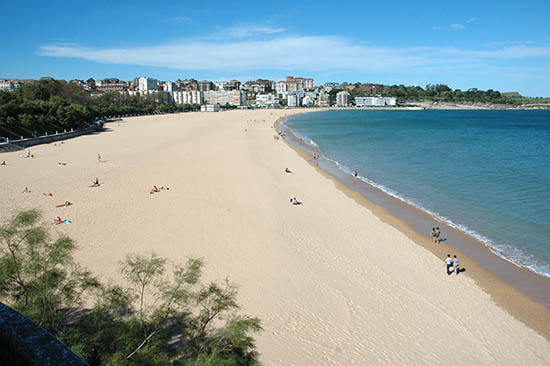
column 38, row 276
column 157, row 319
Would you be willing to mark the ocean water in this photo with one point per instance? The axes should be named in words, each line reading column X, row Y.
column 484, row 172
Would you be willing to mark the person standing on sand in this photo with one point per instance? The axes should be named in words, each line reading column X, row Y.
column 456, row 263
column 355, row 176
column 433, row 234
column 449, row 263
column 437, row 235
column 98, row 157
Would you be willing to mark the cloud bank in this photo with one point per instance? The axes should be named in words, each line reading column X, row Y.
column 315, row 53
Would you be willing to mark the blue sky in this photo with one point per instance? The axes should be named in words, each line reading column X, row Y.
column 503, row 45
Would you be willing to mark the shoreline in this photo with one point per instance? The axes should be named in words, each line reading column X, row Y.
column 522, row 292
column 332, row 282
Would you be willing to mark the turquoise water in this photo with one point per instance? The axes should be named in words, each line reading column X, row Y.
column 484, row 172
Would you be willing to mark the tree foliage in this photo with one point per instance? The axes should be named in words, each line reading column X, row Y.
column 161, row 314
column 38, row 276
column 50, row 105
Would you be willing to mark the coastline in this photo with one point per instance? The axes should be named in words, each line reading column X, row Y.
column 520, row 291
column 332, row 283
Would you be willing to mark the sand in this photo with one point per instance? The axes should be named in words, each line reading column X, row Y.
column 333, row 283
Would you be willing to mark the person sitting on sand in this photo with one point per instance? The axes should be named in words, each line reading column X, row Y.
column 3, row 162
column 26, row 190
column 96, row 183
column 163, row 188
column 288, row 170
column 294, row 201
column 48, row 194
column 57, row 220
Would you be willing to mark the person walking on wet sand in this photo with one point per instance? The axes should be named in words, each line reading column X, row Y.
column 456, row 263
column 355, row 176
column 437, row 235
column 449, row 263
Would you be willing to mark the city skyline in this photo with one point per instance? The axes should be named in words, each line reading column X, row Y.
column 489, row 45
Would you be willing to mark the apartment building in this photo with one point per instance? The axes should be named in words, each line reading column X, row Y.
column 146, row 84
column 267, row 101
column 375, row 101
column 342, row 99
column 188, row 97
column 223, row 97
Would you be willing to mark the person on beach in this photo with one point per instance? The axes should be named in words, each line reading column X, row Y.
column 3, row 162
column 433, row 233
column 98, row 158
column 294, row 201
column 28, row 153
column 48, row 194
column 437, row 235
column 449, row 263
column 288, row 170
column 95, row 183
column 355, row 176
column 26, row 190
column 456, row 263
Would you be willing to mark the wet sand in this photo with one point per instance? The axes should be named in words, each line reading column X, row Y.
column 522, row 292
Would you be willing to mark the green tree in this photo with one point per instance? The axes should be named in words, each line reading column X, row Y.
column 37, row 275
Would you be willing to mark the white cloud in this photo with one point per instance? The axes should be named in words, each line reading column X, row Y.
column 435, row 27
column 245, row 31
column 471, row 20
column 313, row 53
column 456, row 26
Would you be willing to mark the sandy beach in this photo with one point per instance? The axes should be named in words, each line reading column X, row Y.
column 335, row 281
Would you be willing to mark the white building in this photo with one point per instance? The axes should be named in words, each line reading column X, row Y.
column 323, row 100
column 292, row 100
column 267, row 100
column 8, row 85
column 146, row 84
column 308, row 101
column 188, row 97
column 210, row 108
column 342, row 99
column 375, row 101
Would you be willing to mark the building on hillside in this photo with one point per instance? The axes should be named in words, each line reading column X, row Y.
column 232, row 85
column 223, row 97
column 342, row 99
column 308, row 101
column 206, row 85
column 147, row 84
column 7, row 85
column 12, row 84
column 112, row 84
column 167, row 86
column 258, row 86
column 375, row 101
column 323, row 100
column 267, row 101
column 188, row 97
column 292, row 84
column 210, row 108
column 292, row 100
